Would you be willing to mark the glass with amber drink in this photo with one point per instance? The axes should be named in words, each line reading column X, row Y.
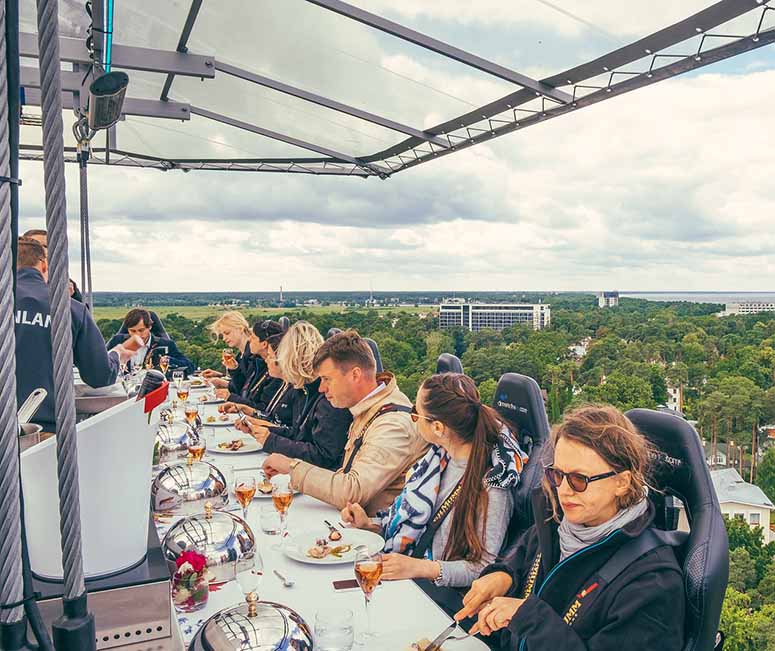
column 196, row 445
column 282, row 497
column 244, row 490
column 228, row 359
column 191, row 410
column 368, row 571
column 164, row 363
column 183, row 389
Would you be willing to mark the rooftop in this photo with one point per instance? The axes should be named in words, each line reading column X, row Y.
column 730, row 487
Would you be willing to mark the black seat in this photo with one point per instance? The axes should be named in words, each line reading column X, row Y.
column 448, row 363
column 519, row 401
column 333, row 331
column 375, row 350
column 681, row 471
column 157, row 327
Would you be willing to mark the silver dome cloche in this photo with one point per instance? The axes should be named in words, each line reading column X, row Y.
column 185, row 487
column 225, row 539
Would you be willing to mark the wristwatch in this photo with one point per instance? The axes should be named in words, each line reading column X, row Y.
column 437, row 581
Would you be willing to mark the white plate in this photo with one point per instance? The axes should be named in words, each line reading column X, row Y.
column 211, row 401
column 297, row 544
column 250, row 445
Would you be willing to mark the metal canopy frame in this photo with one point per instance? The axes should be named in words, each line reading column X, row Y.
column 532, row 102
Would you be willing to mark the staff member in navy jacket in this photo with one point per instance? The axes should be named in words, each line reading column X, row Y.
column 34, row 360
column 138, row 323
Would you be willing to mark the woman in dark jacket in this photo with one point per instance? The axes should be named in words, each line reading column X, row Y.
column 551, row 592
column 250, row 385
column 318, row 432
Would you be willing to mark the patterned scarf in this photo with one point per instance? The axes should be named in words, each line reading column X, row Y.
column 405, row 521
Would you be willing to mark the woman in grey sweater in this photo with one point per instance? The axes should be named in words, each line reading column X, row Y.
column 451, row 518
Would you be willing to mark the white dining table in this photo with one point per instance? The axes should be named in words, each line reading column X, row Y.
column 401, row 612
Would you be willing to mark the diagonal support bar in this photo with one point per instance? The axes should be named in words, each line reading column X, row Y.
column 450, row 51
column 193, row 12
column 274, row 135
column 329, row 103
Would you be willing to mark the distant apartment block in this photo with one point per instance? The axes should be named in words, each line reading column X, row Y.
column 607, row 299
column 748, row 307
column 497, row 316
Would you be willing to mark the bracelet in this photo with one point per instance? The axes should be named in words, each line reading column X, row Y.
column 437, row 581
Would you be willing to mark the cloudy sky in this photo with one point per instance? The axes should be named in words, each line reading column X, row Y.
column 666, row 188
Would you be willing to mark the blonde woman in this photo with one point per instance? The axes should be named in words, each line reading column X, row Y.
column 318, row 431
column 233, row 328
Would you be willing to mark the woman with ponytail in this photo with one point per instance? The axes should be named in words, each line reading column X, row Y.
column 451, row 518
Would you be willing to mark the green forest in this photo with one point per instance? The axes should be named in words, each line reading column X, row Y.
column 723, row 367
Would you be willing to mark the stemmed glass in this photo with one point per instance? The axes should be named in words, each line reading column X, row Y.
column 182, row 389
column 368, row 571
column 282, row 497
column 164, row 363
column 249, row 578
column 244, row 490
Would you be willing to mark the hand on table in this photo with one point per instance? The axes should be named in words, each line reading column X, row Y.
column 496, row 615
column 399, row 566
column 483, row 590
column 235, row 408
column 218, row 382
column 210, row 373
column 277, row 464
column 222, row 394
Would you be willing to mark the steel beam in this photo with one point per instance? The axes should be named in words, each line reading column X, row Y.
column 274, row 135
column 328, row 103
column 193, row 12
column 146, row 108
column 450, row 51
column 73, row 50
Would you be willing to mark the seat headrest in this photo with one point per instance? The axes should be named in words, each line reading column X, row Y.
column 448, row 363
column 518, row 399
column 680, row 467
column 375, row 350
column 333, row 331
column 285, row 322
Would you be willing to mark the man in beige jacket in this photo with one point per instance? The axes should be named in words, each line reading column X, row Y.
column 382, row 443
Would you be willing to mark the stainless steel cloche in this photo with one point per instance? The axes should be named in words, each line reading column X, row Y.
column 225, row 539
column 254, row 626
column 185, row 487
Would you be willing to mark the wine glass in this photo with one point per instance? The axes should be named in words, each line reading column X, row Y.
column 182, row 389
column 282, row 497
column 227, row 358
column 190, row 409
column 164, row 363
column 177, row 377
column 244, row 490
column 249, row 576
column 196, row 444
column 368, row 571
column 149, row 362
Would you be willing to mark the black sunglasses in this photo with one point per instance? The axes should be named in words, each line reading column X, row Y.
column 576, row 480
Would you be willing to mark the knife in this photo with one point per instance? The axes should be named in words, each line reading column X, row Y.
column 436, row 644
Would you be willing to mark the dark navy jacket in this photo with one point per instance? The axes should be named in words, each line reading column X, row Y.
column 34, row 360
column 177, row 359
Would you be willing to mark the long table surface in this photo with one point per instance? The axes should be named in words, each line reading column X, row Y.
column 402, row 613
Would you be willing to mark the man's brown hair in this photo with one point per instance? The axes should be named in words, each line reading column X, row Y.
column 36, row 231
column 135, row 315
column 30, row 253
column 346, row 349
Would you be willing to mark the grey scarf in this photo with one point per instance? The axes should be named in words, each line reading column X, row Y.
column 574, row 537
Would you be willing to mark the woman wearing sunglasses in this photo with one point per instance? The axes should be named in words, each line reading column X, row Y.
column 466, row 475
column 553, row 592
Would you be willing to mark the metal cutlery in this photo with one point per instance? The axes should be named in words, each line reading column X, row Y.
column 288, row 583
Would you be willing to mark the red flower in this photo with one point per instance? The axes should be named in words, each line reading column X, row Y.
column 195, row 559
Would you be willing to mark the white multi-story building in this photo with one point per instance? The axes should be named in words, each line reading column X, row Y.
column 739, row 499
column 748, row 307
column 607, row 299
column 497, row 316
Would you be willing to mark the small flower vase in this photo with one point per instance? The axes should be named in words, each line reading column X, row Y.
column 189, row 590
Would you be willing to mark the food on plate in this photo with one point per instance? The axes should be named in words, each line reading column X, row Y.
column 198, row 382
column 210, row 419
column 234, row 445
column 423, row 645
column 322, row 549
column 265, row 486
column 223, row 418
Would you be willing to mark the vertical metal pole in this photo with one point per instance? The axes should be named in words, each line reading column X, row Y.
column 11, row 585
column 75, row 630
column 86, row 277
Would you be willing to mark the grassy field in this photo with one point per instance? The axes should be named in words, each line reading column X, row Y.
column 196, row 312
